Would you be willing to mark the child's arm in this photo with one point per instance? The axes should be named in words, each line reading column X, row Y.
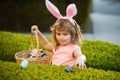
column 44, row 42
column 80, row 59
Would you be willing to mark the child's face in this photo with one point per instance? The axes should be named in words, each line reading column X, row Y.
column 63, row 37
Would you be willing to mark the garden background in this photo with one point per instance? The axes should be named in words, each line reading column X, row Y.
column 102, row 56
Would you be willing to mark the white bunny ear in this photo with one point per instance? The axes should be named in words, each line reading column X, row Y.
column 71, row 11
column 53, row 9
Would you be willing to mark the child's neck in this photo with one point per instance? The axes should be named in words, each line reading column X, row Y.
column 65, row 45
column 60, row 46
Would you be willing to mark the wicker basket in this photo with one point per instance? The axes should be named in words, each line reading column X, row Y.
column 22, row 55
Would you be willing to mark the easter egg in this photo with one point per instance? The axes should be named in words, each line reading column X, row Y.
column 43, row 54
column 29, row 55
column 68, row 69
column 24, row 64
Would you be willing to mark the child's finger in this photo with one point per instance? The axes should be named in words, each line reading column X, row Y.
column 85, row 66
column 75, row 65
column 34, row 28
column 82, row 66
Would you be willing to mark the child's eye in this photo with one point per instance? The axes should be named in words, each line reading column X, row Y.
column 57, row 33
column 65, row 34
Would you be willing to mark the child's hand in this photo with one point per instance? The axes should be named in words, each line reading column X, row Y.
column 81, row 62
column 34, row 29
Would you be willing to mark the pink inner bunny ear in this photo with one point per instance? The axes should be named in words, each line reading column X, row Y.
column 71, row 11
column 53, row 9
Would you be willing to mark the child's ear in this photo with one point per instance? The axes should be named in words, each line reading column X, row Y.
column 71, row 11
column 53, row 9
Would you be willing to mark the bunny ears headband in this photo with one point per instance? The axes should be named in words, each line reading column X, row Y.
column 70, row 12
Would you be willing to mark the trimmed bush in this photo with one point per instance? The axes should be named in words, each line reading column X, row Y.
column 101, row 55
column 10, row 43
column 13, row 71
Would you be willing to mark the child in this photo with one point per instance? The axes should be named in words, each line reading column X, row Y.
column 67, row 38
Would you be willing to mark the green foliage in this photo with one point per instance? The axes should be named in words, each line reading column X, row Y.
column 102, row 55
column 99, row 54
column 13, row 71
column 102, row 61
column 10, row 43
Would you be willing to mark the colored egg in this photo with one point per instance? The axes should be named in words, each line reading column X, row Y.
column 43, row 54
column 68, row 69
column 24, row 64
column 29, row 55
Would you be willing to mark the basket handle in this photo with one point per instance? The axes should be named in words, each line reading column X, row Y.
column 37, row 43
column 32, row 44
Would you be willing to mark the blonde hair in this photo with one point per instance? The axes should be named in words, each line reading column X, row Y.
column 66, row 25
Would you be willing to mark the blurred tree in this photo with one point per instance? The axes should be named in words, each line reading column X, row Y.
column 19, row 15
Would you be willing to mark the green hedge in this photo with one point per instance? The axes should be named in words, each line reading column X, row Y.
column 11, row 43
column 100, row 55
column 13, row 71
